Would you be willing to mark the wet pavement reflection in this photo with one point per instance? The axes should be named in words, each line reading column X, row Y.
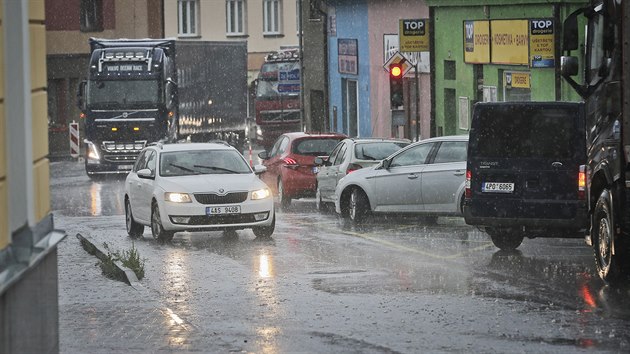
column 322, row 274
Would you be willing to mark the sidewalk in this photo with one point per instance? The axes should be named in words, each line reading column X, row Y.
column 99, row 315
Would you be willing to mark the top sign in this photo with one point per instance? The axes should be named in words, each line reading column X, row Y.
column 413, row 35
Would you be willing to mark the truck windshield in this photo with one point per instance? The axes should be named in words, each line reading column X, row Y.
column 123, row 93
column 278, row 79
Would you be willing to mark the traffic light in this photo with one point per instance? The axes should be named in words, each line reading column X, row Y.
column 396, row 85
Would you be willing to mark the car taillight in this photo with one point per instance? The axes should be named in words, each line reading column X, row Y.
column 582, row 182
column 468, row 191
column 353, row 167
column 290, row 163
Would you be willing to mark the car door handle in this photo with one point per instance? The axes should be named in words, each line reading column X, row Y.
column 458, row 173
column 412, row 176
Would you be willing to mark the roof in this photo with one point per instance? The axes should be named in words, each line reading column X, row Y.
column 296, row 135
column 446, row 138
column 376, row 140
column 194, row 146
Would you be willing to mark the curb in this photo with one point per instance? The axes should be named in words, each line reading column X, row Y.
column 92, row 248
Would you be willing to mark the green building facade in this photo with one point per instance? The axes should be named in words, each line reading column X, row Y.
column 494, row 50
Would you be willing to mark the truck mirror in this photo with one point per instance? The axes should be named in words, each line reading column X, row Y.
column 81, row 96
column 570, row 38
column 568, row 66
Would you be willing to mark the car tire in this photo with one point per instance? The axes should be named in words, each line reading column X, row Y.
column 358, row 205
column 609, row 266
column 156, row 226
column 134, row 229
column 505, row 239
column 285, row 201
column 265, row 231
column 319, row 203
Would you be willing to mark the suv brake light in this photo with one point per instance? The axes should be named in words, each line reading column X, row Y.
column 468, row 191
column 582, row 182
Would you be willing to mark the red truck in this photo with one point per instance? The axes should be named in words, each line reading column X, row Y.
column 277, row 100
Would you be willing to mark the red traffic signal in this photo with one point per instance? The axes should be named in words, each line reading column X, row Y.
column 396, row 70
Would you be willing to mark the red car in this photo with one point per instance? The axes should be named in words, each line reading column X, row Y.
column 290, row 163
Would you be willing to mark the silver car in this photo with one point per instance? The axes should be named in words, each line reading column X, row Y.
column 348, row 156
column 425, row 178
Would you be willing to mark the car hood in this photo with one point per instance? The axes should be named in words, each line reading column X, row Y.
column 212, row 183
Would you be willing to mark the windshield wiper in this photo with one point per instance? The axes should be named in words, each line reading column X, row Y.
column 216, row 168
column 183, row 168
column 369, row 157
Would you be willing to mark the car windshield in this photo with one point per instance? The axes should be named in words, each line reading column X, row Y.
column 127, row 93
column 377, row 150
column 199, row 162
column 315, row 147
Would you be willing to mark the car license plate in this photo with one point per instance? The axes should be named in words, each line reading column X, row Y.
column 125, row 167
column 497, row 187
column 220, row 210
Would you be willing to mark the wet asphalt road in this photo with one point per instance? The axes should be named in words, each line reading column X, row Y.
column 391, row 285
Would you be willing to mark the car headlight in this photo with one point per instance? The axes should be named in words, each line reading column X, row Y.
column 92, row 151
column 177, row 197
column 261, row 194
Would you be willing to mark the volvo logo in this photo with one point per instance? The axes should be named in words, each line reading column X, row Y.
column 125, row 115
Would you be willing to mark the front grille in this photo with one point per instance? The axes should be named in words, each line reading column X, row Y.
column 212, row 198
column 120, row 158
column 222, row 219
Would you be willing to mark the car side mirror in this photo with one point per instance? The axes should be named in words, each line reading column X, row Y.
column 263, row 155
column 145, row 173
column 320, row 161
column 259, row 169
column 386, row 163
column 81, row 96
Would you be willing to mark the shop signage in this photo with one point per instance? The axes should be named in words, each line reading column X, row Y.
column 512, row 42
column 413, row 35
column 477, row 42
column 348, row 54
column 509, row 42
column 541, row 43
column 517, row 80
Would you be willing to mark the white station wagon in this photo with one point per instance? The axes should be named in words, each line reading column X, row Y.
column 196, row 187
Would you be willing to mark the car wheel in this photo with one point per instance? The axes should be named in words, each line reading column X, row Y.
column 285, row 201
column 358, row 205
column 134, row 229
column 156, row 226
column 265, row 231
column 609, row 266
column 319, row 203
column 505, row 239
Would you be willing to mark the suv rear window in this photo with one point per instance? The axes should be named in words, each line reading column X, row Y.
column 532, row 132
column 315, row 147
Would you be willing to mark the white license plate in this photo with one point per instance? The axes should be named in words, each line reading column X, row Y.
column 125, row 167
column 497, row 187
column 220, row 210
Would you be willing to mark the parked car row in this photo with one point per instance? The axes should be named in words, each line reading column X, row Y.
column 362, row 176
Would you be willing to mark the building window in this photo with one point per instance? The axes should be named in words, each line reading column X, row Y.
column 91, row 16
column 271, row 16
column 187, row 17
column 235, row 15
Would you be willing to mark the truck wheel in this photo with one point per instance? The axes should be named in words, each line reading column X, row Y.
column 134, row 229
column 609, row 265
column 285, row 201
column 358, row 205
column 505, row 239
column 156, row 226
